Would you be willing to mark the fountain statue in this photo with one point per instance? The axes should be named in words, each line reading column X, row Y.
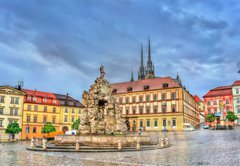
column 102, row 114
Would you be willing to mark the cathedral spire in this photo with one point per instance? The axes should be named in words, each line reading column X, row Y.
column 149, row 67
column 141, row 72
column 132, row 78
column 149, row 50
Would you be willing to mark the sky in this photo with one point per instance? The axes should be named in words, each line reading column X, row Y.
column 58, row 45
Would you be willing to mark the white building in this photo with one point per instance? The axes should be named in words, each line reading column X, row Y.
column 236, row 99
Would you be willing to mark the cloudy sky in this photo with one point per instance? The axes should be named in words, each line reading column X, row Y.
column 58, row 45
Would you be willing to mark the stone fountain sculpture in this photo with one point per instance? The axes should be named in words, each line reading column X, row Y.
column 102, row 114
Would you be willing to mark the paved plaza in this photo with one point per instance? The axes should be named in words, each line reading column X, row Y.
column 201, row 147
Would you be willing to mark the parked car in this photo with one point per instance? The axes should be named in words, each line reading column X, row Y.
column 206, row 127
column 188, row 127
column 71, row 132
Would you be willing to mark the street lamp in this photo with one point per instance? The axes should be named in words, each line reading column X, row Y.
column 238, row 65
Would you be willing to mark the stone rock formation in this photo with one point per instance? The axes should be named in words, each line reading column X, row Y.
column 102, row 115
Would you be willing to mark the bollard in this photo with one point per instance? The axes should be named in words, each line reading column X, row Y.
column 138, row 144
column 119, row 144
column 32, row 143
column 77, row 145
column 161, row 142
column 44, row 141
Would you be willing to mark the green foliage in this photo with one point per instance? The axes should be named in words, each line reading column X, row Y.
column 210, row 118
column 13, row 128
column 231, row 116
column 75, row 125
column 48, row 127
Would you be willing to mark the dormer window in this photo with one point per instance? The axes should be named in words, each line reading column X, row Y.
column 29, row 98
column 165, row 85
column 44, row 100
column 54, row 101
column 129, row 89
column 34, row 99
column 146, row 87
column 114, row 91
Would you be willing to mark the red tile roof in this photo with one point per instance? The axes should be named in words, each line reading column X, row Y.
column 219, row 91
column 236, row 83
column 197, row 98
column 39, row 94
column 155, row 83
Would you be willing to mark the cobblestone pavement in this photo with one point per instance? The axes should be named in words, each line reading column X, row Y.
column 202, row 147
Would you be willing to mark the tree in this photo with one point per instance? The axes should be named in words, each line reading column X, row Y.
column 12, row 129
column 210, row 118
column 231, row 116
column 75, row 125
column 48, row 127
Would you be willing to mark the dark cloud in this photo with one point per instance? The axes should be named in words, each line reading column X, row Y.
column 59, row 45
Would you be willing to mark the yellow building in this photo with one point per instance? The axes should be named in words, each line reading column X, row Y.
column 156, row 104
column 39, row 108
column 11, row 104
column 70, row 111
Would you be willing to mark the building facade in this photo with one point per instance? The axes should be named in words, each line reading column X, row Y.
column 11, row 109
column 236, row 99
column 218, row 101
column 70, row 111
column 39, row 108
column 201, row 107
column 156, row 104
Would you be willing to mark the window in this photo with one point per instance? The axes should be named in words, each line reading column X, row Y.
column 45, row 108
column 53, row 120
column 146, row 87
column 133, row 99
column 44, row 119
column 72, row 119
column 209, row 111
column 65, row 118
column 127, row 111
column 173, row 95
column 66, row 110
column 127, row 100
column 148, row 98
column 1, row 111
column 12, row 100
column 134, row 110
column 1, row 123
column 227, row 101
column 10, row 121
column 17, row 101
column 79, row 111
column 140, row 99
column 54, row 101
column 34, row 129
column 35, row 108
column 164, row 108
column 44, row 100
column 174, row 122
column 35, row 119
column 28, row 118
column 16, row 112
column 54, row 109
column 155, row 123
column 120, row 100
column 2, row 99
column 238, row 101
column 73, row 111
column 29, row 107
column 238, row 110
column 148, row 123
column 173, row 108
column 141, row 110
column 163, row 96
column 237, row 91
column 34, row 99
column 129, row 89
column 141, row 123
column 155, row 109
column 215, row 111
column 155, row 97
column 11, row 111
column 165, row 85
column 28, row 98
column 214, row 102
column 208, row 103
column 148, row 110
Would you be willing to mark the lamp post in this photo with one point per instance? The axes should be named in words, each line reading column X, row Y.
column 238, row 65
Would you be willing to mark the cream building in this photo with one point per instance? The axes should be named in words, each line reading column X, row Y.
column 236, row 99
column 11, row 105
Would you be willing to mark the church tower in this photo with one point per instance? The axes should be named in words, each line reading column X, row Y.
column 150, row 67
column 141, row 72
